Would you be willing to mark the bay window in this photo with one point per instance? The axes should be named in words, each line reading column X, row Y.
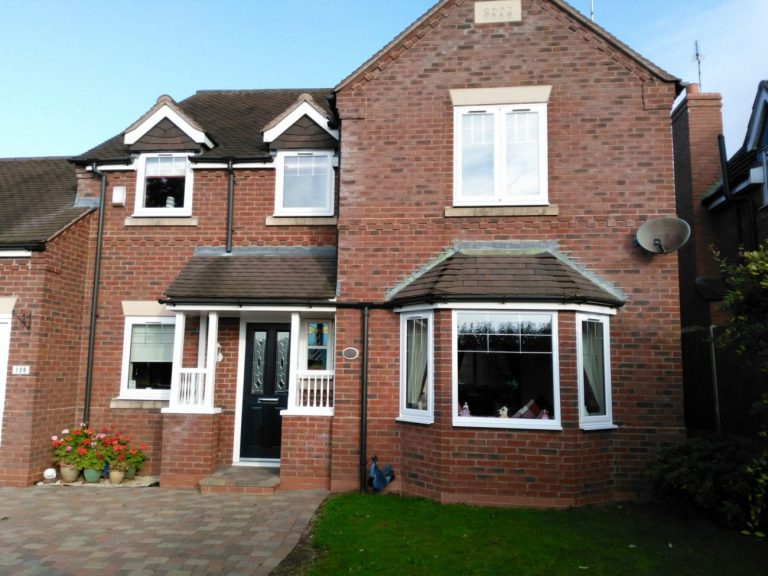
column 506, row 369
column 416, row 368
column 594, row 371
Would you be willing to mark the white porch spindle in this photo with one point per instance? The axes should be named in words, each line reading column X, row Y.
column 315, row 390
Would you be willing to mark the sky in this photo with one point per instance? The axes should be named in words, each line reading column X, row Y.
column 74, row 73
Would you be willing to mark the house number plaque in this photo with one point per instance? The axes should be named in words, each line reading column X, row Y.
column 20, row 370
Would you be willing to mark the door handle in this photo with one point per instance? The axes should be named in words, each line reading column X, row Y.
column 267, row 400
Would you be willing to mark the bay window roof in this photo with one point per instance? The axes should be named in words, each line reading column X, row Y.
column 505, row 276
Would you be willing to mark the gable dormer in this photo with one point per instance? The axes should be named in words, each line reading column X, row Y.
column 305, row 150
column 166, row 127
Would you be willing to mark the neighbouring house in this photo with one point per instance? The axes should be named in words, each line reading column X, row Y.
column 720, row 390
column 432, row 262
column 44, row 249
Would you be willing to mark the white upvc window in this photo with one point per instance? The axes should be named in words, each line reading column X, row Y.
column 500, row 155
column 163, row 185
column 316, row 351
column 594, row 371
column 506, row 369
column 417, row 399
column 304, row 183
column 147, row 357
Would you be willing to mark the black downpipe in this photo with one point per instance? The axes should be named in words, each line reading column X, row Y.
column 230, row 205
column 94, row 299
column 364, row 403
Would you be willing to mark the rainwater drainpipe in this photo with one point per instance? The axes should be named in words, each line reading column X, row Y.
column 364, row 402
column 713, row 368
column 94, row 298
column 230, row 204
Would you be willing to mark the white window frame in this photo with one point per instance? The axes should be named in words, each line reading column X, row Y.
column 586, row 421
column 141, row 168
column 304, row 344
column 132, row 393
column 554, row 423
column 414, row 415
column 499, row 197
column 327, row 208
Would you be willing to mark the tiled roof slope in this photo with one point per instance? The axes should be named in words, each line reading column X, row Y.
column 266, row 275
column 504, row 277
column 233, row 119
column 37, row 196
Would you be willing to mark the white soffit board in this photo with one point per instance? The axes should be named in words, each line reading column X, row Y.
column 145, row 308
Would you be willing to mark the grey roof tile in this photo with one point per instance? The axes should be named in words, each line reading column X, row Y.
column 290, row 275
column 37, row 197
column 512, row 277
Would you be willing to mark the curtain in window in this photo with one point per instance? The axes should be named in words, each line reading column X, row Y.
column 594, row 367
column 152, row 343
column 416, row 362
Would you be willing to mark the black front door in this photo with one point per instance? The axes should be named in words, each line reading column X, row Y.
column 265, row 390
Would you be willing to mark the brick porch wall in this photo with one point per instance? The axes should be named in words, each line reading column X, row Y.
column 189, row 449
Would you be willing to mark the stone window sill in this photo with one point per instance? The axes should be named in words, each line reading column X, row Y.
column 147, row 221
column 128, row 404
column 485, row 211
column 303, row 221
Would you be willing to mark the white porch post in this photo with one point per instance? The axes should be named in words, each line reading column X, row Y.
column 201, row 340
column 293, row 360
column 178, row 355
column 211, row 356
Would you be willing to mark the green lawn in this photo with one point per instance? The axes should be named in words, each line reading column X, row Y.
column 370, row 534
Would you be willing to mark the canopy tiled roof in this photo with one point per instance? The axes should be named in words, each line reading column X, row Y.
column 233, row 119
column 37, row 197
column 283, row 274
column 504, row 276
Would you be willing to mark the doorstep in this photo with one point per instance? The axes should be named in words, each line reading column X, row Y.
column 241, row 480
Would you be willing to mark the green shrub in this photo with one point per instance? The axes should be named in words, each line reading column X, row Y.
column 713, row 475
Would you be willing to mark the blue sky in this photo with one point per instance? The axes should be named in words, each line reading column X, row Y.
column 74, row 73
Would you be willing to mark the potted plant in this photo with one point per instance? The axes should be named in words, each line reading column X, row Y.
column 65, row 450
column 113, row 449
column 91, row 462
column 134, row 458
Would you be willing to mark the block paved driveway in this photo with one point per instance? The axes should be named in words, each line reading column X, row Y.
column 58, row 531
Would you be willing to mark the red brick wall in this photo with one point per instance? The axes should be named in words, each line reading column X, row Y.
column 51, row 288
column 610, row 169
column 189, row 449
column 305, row 456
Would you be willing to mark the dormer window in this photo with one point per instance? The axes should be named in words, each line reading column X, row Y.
column 304, row 183
column 163, row 185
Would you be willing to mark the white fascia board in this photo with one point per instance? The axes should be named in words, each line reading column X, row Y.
column 230, row 308
column 114, row 167
column 305, row 108
column 15, row 253
column 542, row 306
column 162, row 113
column 235, row 165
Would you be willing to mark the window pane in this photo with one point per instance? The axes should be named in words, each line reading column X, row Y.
column 417, row 341
column 522, row 153
column 164, row 192
column 505, row 364
column 281, row 361
column 594, row 367
column 477, row 164
column 305, row 182
column 317, row 334
column 258, row 363
column 317, row 359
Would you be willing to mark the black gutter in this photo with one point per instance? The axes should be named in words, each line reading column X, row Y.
column 364, row 401
column 31, row 246
column 230, row 205
column 94, row 299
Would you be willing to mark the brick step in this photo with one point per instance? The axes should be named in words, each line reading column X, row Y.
column 241, row 480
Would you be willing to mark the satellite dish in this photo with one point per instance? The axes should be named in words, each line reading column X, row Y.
column 662, row 235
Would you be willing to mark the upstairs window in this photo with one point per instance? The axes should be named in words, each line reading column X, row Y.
column 304, row 183
column 164, row 185
column 500, row 155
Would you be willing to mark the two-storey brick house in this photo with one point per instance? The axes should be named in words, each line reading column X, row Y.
column 434, row 265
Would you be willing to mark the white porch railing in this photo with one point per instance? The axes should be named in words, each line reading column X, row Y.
column 191, row 389
column 314, row 392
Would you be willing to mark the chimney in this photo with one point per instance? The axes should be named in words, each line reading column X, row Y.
column 696, row 123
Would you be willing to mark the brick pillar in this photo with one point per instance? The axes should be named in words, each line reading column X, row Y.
column 696, row 123
column 189, row 449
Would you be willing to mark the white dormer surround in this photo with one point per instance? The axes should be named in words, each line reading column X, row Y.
column 166, row 108
column 304, row 107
